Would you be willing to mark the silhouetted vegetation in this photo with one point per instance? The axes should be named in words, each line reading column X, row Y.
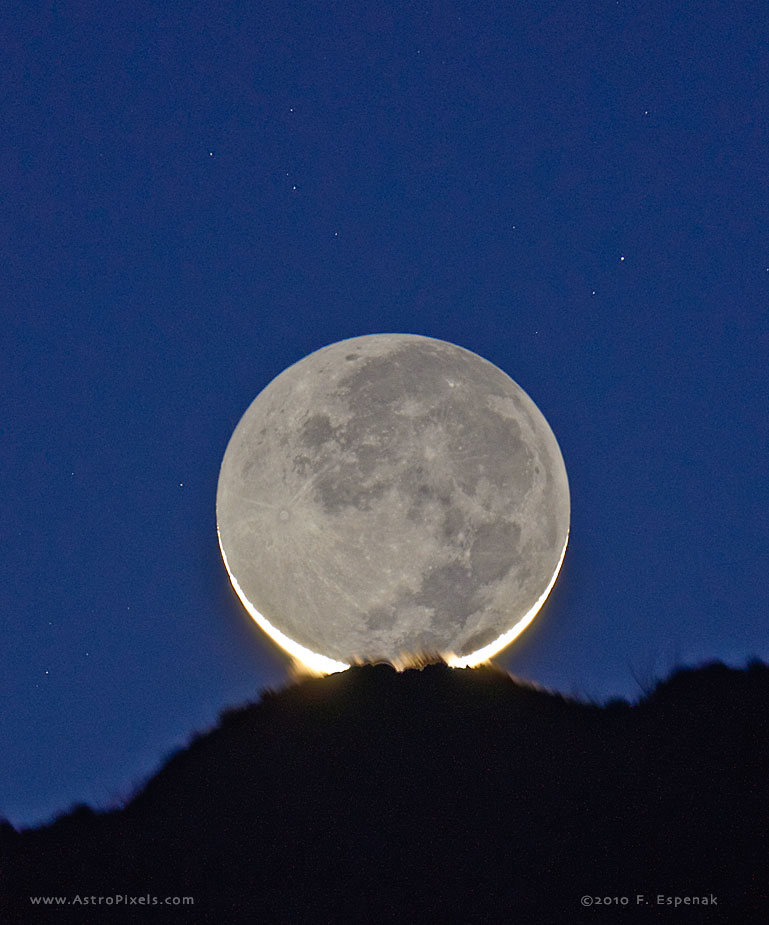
column 434, row 794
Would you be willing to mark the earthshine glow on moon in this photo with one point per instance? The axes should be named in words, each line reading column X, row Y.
column 391, row 497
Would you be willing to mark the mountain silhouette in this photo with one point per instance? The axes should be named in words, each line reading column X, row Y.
column 432, row 794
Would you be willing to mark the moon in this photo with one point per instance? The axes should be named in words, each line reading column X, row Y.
column 392, row 497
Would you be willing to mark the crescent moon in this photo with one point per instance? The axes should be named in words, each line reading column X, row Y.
column 392, row 497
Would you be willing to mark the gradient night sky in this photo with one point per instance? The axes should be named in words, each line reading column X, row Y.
column 195, row 198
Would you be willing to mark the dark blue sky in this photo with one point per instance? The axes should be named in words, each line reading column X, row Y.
column 196, row 195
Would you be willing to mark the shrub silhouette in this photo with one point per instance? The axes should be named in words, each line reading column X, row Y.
column 454, row 795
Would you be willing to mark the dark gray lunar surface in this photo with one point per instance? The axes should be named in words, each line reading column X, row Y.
column 392, row 495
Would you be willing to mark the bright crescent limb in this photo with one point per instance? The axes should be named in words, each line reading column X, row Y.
column 318, row 664
column 322, row 664
column 484, row 654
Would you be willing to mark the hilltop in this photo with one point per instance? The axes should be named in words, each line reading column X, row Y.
column 456, row 794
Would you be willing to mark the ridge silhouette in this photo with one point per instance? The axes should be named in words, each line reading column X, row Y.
column 454, row 795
